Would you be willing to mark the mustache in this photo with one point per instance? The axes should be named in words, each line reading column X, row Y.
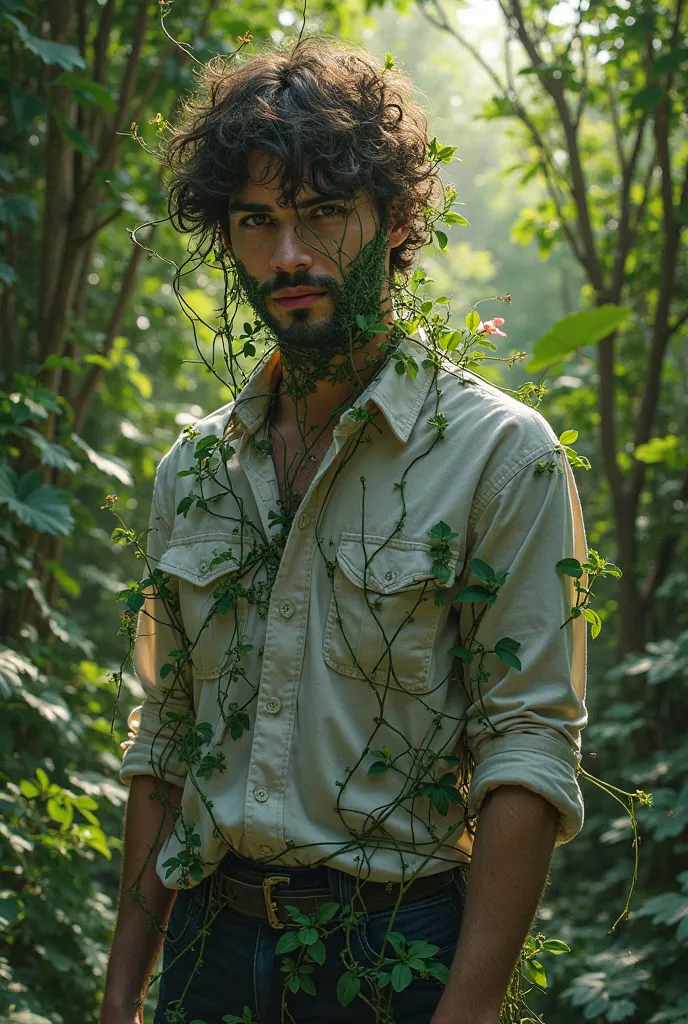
column 300, row 279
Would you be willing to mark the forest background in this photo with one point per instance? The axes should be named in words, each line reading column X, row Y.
column 570, row 121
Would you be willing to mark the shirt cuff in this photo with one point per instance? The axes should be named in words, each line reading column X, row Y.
column 543, row 764
column 155, row 747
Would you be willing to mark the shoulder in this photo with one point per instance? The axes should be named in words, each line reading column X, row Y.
column 490, row 421
column 493, row 437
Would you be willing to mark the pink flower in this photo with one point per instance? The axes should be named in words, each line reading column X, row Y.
column 491, row 326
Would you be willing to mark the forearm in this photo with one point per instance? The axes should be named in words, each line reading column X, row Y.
column 511, row 858
column 144, row 900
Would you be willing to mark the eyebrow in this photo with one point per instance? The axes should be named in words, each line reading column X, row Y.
column 241, row 206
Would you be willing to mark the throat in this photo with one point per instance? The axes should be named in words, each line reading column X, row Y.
column 296, row 460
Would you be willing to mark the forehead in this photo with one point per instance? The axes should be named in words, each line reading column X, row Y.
column 265, row 184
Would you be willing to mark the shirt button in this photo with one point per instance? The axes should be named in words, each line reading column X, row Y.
column 203, row 568
column 266, row 850
column 389, row 576
column 304, row 521
column 261, row 794
column 286, row 609
column 273, row 705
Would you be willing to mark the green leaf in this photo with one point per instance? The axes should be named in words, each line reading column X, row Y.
column 482, row 570
column 422, row 949
column 29, row 789
column 107, row 464
column 297, row 915
column 288, row 942
column 326, row 912
column 39, row 506
column 454, row 218
column 307, row 985
column 595, row 621
column 317, row 952
column 569, row 567
column 15, row 208
column 670, row 450
column 51, row 454
column 508, row 644
column 646, row 99
column 65, row 56
column 378, row 767
column 8, row 275
column 575, row 331
column 509, row 658
column 535, row 972
column 307, row 936
column 88, row 92
column 473, row 320
column 438, row 971
column 568, row 437
column 348, row 988
column 463, row 654
column 397, row 942
column 442, row 240
column 475, row 594
column 556, row 946
column 401, row 977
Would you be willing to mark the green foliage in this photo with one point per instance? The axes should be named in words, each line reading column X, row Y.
column 574, row 332
column 57, row 887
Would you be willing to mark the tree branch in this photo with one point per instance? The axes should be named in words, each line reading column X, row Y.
column 555, row 89
column 85, row 395
column 664, row 555
column 661, row 329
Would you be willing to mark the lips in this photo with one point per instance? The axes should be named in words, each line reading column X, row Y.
column 293, row 298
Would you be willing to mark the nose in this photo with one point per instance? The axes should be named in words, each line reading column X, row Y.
column 290, row 252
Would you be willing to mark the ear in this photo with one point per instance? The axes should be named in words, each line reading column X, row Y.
column 399, row 234
column 224, row 235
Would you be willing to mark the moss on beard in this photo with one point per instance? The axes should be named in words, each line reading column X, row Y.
column 328, row 353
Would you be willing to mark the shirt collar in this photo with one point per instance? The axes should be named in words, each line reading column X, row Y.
column 399, row 397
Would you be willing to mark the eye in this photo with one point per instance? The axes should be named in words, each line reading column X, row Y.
column 250, row 221
column 330, row 210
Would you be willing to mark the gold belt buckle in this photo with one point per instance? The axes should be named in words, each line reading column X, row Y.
column 270, row 904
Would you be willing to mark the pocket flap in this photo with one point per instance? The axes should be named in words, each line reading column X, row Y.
column 202, row 561
column 392, row 565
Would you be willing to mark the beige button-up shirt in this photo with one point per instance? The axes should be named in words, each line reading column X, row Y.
column 346, row 649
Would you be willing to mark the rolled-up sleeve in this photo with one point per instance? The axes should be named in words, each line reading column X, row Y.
column 161, row 722
column 524, row 726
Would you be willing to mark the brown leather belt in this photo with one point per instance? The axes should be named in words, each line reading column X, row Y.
column 265, row 898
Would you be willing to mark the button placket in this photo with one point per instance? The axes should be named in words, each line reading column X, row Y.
column 283, row 654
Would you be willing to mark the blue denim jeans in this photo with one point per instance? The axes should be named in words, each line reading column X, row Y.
column 217, row 962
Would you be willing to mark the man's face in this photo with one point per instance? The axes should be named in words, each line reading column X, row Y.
column 298, row 264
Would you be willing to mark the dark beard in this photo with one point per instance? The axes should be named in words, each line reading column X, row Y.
column 331, row 334
column 339, row 334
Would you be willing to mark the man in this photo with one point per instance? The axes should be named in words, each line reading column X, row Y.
column 342, row 564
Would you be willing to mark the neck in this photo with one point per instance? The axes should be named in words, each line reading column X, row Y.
column 309, row 403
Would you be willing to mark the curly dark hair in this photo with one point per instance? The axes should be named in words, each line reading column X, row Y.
column 328, row 116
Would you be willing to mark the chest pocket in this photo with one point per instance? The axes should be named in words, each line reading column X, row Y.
column 383, row 620
column 213, row 574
